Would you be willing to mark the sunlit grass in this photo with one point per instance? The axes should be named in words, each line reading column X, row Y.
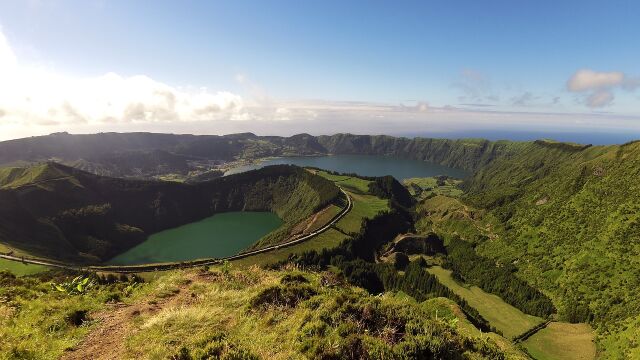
column 504, row 317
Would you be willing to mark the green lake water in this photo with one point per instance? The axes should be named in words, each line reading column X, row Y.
column 218, row 236
column 366, row 165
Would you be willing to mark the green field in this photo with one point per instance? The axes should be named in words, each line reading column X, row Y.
column 328, row 239
column 425, row 187
column 331, row 177
column 504, row 317
column 324, row 218
column 353, row 184
column 562, row 341
column 20, row 269
column 364, row 207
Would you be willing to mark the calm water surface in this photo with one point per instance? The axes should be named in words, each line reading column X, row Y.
column 366, row 165
column 218, row 236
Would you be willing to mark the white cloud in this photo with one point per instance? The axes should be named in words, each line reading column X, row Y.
column 7, row 57
column 587, row 80
column 600, row 86
column 32, row 96
column 36, row 101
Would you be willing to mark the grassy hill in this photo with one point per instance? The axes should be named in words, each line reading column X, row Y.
column 569, row 218
column 60, row 212
column 557, row 223
column 230, row 314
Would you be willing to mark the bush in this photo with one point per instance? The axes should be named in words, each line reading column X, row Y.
column 77, row 317
column 293, row 279
column 283, row 296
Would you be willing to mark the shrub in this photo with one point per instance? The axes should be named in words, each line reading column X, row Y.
column 285, row 296
column 292, row 279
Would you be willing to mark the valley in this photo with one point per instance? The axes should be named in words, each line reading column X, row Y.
column 506, row 257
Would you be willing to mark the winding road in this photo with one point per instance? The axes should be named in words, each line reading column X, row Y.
column 187, row 264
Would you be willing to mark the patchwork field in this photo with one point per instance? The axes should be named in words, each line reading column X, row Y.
column 562, row 341
column 20, row 269
column 504, row 317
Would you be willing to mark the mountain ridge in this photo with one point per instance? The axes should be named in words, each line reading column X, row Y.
column 68, row 214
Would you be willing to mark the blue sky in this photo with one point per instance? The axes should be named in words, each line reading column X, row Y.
column 285, row 66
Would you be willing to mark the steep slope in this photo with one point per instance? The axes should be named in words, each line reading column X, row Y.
column 126, row 154
column 60, row 212
column 468, row 154
column 571, row 224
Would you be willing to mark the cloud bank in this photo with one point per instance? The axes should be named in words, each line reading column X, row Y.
column 38, row 101
column 38, row 96
column 600, row 86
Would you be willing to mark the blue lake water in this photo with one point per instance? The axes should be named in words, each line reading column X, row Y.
column 366, row 165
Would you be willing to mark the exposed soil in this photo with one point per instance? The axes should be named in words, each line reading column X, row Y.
column 107, row 339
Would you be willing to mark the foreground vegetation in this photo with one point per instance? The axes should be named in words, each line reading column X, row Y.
column 248, row 314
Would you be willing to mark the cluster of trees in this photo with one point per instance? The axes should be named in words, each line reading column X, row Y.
column 387, row 187
column 472, row 268
column 355, row 259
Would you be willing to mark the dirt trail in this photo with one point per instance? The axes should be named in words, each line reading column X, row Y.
column 107, row 339
column 314, row 219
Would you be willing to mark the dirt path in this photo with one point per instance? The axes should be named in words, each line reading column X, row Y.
column 315, row 218
column 107, row 340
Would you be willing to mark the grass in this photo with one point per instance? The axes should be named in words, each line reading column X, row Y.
column 562, row 341
column 20, row 269
column 351, row 183
column 364, row 207
column 35, row 321
column 425, row 187
column 327, row 240
column 12, row 177
column 331, row 177
column 324, row 218
column 311, row 329
column 355, row 185
column 504, row 317
column 227, row 314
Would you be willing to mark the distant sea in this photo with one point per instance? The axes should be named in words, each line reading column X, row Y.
column 595, row 138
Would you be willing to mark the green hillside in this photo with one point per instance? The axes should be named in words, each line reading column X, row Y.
column 58, row 212
column 569, row 220
column 544, row 228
